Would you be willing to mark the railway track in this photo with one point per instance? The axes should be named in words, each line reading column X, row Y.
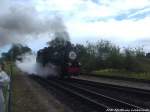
column 116, row 87
column 90, row 97
column 107, row 101
column 141, row 96
column 97, row 107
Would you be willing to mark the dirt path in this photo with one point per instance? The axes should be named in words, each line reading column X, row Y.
column 29, row 96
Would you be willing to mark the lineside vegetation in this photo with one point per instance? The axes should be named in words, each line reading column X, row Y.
column 105, row 58
column 99, row 57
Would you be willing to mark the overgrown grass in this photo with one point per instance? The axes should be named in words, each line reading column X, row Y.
column 123, row 73
column 10, row 69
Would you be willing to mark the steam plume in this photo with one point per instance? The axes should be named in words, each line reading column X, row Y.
column 29, row 65
column 20, row 24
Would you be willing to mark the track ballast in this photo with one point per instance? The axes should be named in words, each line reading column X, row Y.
column 84, row 93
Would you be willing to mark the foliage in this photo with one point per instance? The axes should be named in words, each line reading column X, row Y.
column 14, row 52
column 105, row 55
column 122, row 73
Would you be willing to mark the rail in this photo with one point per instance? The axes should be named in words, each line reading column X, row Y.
column 103, row 99
column 111, row 86
column 80, row 97
column 134, row 96
column 92, row 98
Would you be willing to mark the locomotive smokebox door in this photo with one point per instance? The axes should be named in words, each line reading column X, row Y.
column 72, row 55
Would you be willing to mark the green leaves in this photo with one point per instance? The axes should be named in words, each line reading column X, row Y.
column 15, row 51
column 105, row 55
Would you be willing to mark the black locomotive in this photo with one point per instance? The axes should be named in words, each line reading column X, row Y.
column 63, row 55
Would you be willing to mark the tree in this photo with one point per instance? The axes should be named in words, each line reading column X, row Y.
column 115, row 58
column 139, row 52
column 148, row 55
column 14, row 52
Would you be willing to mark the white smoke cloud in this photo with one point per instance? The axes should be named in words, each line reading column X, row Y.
column 20, row 23
column 28, row 65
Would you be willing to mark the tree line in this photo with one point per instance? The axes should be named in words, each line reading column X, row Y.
column 14, row 53
column 95, row 56
column 105, row 55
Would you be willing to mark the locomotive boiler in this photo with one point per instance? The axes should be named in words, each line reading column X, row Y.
column 62, row 54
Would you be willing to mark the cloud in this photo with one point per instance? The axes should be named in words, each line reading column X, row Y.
column 121, row 21
column 125, row 5
column 81, row 9
column 144, row 12
column 125, row 30
column 20, row 23
column 56, row 5
column 117, row 20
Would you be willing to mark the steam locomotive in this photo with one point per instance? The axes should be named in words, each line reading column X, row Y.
column 62, row 54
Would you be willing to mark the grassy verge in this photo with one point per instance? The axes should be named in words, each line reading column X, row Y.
column 23, row 98
column 10, row 69
column 122, row 73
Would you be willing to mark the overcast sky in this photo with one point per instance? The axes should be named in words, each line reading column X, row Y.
column 124, row 22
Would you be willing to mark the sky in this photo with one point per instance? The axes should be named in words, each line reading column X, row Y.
column 123, row 22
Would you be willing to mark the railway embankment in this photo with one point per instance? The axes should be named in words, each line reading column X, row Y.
column 29, row 96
